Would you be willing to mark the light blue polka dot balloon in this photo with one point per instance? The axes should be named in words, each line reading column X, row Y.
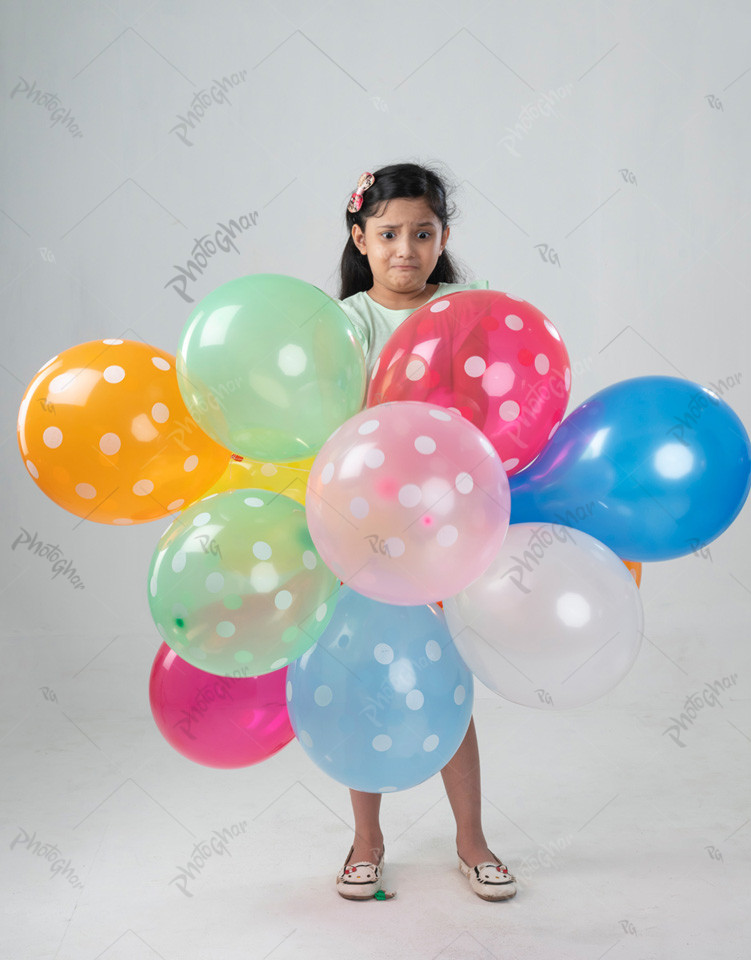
column 382, row 701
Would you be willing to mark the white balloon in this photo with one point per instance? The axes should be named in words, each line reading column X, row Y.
column 554, row 622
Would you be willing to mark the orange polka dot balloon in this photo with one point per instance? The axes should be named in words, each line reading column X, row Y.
column 104, row 432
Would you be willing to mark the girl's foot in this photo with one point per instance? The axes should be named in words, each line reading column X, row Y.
column 488, row 876
column 360, row 879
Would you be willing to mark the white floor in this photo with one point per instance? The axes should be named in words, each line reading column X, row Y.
column 626, row 844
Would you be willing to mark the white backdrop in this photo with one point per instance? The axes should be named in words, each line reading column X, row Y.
column 600, row 151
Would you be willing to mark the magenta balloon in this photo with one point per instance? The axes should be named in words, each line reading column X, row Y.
column 495, row 359
column 407, row 502
column 218, row 721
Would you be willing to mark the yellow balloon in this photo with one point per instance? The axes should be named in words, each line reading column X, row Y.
column 290, row 478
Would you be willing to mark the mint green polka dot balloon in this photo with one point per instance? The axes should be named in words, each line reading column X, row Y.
column 236, row 586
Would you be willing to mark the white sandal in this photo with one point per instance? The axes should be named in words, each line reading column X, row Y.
column 491, row 881
column 359, row 881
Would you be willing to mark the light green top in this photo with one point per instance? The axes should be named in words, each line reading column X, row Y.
column 374, row 323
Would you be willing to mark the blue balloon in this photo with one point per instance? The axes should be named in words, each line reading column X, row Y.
column 653, row 467
column 382, row 700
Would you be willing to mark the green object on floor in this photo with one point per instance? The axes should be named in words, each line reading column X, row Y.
column 382, row 895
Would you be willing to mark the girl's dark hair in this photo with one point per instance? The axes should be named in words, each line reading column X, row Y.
column 396, row 180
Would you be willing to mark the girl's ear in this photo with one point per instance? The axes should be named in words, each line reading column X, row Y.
column 358, row 237
column 444, row 238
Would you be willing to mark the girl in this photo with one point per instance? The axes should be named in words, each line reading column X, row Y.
column 394, row 261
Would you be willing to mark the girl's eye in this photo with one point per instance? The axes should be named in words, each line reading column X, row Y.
column 389, row 233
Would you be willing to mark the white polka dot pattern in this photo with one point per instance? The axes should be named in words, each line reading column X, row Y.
column 439, row 306
column 433, row 650
column 425, row 445
column 114, row 374
column 509, row 410
column 109, row 443
column 383, row 653
column 474, row 366
column 542, row 364
column 53, row 437
column 374, row 458
column 415, row 369
column 414, row 699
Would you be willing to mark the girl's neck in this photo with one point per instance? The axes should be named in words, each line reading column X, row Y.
column 407, row 301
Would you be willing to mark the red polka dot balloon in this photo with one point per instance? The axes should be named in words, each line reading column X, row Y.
column 496, row 360
column 105, row 433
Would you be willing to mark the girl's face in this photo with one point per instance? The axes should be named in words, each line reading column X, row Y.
column 402, row 246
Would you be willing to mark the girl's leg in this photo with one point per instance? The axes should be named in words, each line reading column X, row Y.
column 461, row 777
column 368, row 841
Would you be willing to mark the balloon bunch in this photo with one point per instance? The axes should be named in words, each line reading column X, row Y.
column 344, row 573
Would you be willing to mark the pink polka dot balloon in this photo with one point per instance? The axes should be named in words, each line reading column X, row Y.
column 407, row 503
column 496, row 360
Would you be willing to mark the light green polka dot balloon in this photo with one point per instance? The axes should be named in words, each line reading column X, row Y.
column 236, row 585
column 269, row 366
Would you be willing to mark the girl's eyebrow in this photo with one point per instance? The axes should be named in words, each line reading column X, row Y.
column 391, row 226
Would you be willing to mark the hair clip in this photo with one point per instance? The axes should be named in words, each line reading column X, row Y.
column 355, row 201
